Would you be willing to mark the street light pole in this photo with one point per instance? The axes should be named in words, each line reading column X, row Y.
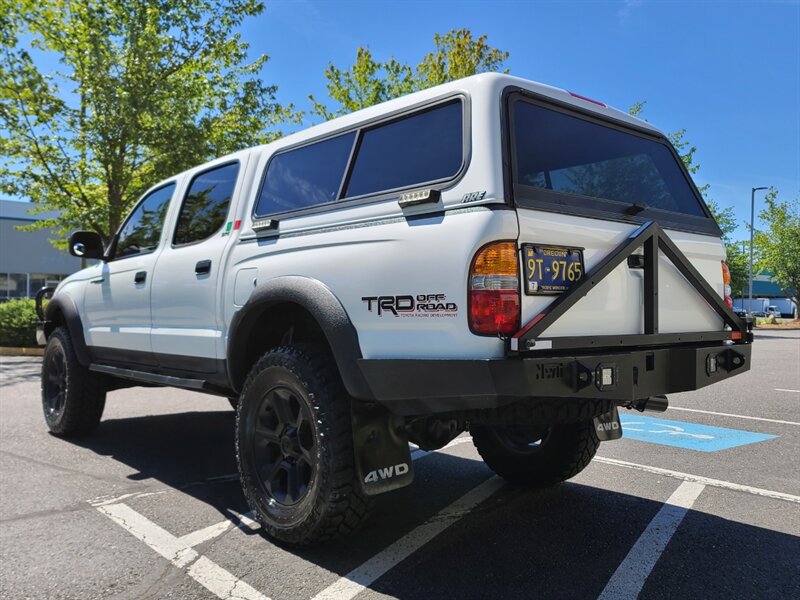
column 752, row 228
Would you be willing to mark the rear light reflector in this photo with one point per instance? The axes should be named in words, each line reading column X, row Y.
column 726, row 280
column 494, row 299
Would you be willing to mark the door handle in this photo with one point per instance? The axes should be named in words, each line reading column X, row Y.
column 140, row 277
column 203, row 267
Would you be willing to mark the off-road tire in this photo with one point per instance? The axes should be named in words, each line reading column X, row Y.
column 333, row 503
column 73, row 398
column 564, row 451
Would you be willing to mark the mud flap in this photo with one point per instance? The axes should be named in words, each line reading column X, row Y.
column 383, row 457
column 607, row 425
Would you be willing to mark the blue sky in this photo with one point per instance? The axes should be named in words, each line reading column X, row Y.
column 728, row 72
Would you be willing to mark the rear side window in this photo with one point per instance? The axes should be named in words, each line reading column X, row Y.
column 206, row 204
column 307, row 176
column 142, row 231
column 421, row 148
column 559, row 152
column 424, row 147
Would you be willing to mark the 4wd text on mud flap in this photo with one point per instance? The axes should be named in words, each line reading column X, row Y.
column 386, row 473
column 607, row 426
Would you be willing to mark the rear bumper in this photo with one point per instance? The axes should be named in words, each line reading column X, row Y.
column 418, row 387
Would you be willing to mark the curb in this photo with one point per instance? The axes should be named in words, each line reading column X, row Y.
column 7, row 351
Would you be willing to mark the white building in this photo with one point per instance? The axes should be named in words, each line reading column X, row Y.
column 28, row 261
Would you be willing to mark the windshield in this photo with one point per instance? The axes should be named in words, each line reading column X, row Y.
column 567, row 154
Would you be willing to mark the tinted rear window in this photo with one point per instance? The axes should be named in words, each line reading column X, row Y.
column 564, row 153
column 307, row 176
column 423, row 147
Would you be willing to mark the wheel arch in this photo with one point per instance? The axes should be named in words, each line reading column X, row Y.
column 61, row 311
column 272, row 307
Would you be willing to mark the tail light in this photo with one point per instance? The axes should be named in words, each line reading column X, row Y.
column 494, row 290
column 726, row 280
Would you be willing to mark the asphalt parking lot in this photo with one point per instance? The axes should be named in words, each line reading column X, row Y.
column 702, row 501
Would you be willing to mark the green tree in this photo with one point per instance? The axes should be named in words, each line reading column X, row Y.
column 144, row 90
column 779, row 245
column 456, row 54
column 738, row 258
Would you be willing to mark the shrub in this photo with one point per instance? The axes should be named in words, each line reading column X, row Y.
column 18, row 322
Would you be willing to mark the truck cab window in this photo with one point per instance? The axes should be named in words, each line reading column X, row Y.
column 205, row 206
column 142, row 230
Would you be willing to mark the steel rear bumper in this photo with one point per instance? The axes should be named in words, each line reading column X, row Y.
column 416, row 387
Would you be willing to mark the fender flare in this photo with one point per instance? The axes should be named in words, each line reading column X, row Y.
column 66, row 305
column 315, row 297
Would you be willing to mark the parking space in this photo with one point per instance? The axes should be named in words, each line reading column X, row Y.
column 150, row 507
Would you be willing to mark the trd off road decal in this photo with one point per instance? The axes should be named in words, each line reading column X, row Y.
column 419, row 306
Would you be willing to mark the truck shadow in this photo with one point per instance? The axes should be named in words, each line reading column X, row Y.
column 561, row 542
column 14, row 370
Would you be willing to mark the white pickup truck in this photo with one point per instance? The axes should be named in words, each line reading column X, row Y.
column 491, row 255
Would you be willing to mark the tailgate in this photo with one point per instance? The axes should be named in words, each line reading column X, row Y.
column 616, row 304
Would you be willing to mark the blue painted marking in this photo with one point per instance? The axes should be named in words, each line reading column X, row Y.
column 692, row 436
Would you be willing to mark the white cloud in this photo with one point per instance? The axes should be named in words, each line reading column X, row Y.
column 628, row 6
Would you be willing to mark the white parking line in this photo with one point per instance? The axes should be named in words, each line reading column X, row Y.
column 103, row 500
column 628, row 580
column 784, row 390
column 221, row 582
column 700, row 479
column 244, row 521
column 359, row 578
column 709, row 412
column 196, row 538
column 206, row 572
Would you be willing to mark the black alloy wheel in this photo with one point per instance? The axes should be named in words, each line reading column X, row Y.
column 283, row 446
column 54, row 383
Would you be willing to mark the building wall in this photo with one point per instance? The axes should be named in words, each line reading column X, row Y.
column 28, row 260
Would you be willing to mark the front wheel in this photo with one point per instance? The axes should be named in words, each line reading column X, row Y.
column 73, row 398
column 536, row 455
column 294, row 447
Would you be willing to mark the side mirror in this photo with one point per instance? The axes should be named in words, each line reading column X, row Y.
column 86, row 244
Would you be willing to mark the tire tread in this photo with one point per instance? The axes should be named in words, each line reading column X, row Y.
column 346, row 506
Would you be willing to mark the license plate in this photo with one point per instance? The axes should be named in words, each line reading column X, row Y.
column 551, row 269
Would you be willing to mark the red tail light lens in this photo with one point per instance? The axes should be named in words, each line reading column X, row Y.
column 494, row 301
column 726, row 280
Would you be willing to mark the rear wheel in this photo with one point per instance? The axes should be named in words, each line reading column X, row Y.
column 73, row 398
column 294, row 447
column 536, row 455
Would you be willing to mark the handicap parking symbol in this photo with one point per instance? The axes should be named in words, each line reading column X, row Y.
column 692, row 436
